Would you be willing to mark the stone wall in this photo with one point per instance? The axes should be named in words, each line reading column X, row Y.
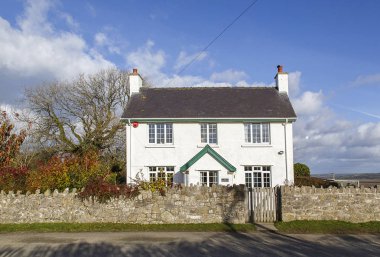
column 188, row 205
column 346, row 204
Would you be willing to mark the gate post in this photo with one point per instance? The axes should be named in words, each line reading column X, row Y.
column 279, row 202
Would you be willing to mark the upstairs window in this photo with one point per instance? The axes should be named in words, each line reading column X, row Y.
column 209, row 133
column 257, row 133
column 161, row 133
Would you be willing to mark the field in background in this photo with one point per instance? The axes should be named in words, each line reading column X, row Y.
column 365, row 179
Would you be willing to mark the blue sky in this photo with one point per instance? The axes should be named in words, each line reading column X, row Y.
column 329, row 48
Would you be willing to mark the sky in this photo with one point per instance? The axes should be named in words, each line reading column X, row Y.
column 329, row 48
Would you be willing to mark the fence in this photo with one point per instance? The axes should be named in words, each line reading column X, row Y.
column 263, row 204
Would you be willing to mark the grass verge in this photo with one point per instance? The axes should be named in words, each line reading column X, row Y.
column 123, row 227
column 328, row 227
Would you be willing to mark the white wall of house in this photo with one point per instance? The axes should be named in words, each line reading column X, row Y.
column 231, row 146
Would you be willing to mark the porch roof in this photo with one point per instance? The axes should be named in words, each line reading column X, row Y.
column 212, row 153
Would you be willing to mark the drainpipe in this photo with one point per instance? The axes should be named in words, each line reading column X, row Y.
column 286, row 152
column 128, row 155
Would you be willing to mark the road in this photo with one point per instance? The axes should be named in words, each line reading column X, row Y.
column 185, row 244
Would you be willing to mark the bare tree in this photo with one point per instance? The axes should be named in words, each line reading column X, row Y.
column 79, row 115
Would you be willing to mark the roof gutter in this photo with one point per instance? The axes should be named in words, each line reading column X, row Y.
column 241, row 119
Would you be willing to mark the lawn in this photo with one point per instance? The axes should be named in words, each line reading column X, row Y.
column 123, row 227
column 328, row 227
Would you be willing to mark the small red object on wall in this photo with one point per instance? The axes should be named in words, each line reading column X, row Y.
column 135, row 124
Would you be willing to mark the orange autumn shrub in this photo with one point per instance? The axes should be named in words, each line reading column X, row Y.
column 10, row 141
column 66, row 172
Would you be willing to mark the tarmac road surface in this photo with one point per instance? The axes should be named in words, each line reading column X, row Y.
column 262, row 243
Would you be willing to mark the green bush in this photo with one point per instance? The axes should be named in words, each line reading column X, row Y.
column 301, row 170
column 312, row 181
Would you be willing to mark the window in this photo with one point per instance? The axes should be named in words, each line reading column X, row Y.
column 162, row 173
column 161, row 133
column 209, row 133
column 257, row 133
column 209, row 178
column 257, row 176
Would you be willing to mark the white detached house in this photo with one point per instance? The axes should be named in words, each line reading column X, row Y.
column 214, row 135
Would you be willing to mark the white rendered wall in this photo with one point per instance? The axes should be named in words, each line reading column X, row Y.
column 231, row 146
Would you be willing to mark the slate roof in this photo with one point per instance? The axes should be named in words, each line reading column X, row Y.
column 209, row 102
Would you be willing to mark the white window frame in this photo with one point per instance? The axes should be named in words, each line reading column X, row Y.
column 258, row 176
column 248, row 133
column 166, row 138
column 155, row 171
column 208, row 173
column 208, row 133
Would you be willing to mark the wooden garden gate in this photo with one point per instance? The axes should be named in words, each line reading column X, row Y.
column 263, row 204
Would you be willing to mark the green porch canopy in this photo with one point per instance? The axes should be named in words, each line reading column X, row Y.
column 214, row 154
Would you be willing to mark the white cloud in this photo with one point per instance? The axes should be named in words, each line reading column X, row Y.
column 148, row 61
column 229, row 75
column 308, row 103
column 294, row 83
column 103, row 40
column 367, row 80
column 34, row 19
column 184, row 59
column 69, row 20
column 35, row 51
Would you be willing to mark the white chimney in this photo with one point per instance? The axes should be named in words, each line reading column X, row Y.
column 135, row 82
column 282, row 81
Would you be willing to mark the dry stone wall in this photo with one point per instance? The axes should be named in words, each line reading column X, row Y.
column 346, row 204
column 187, row 205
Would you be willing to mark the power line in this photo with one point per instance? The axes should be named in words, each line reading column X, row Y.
column 217, row 37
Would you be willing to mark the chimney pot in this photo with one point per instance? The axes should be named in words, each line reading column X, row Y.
column 279, row 68
column 135, row 72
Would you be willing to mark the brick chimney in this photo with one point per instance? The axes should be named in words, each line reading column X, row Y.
column 135, row 82
column 282, row 80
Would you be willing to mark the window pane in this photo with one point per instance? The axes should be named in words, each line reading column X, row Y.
column 248, row 180
column 169, row 178
column 247, row 168
column 256, row 133
column 213, row 178
column 266, row 177
column 161, row 174
column 160, row 133
column 212, row 134
column 203, row 178
column 266, row 132
column 169, row 133
column 257, row 179
column 203, row 133
column 152, row 133
column 152, row 177
column 247, row 132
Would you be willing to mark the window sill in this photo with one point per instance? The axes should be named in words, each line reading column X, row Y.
column 255, row 145
column 159, row 146
column 211, row 145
